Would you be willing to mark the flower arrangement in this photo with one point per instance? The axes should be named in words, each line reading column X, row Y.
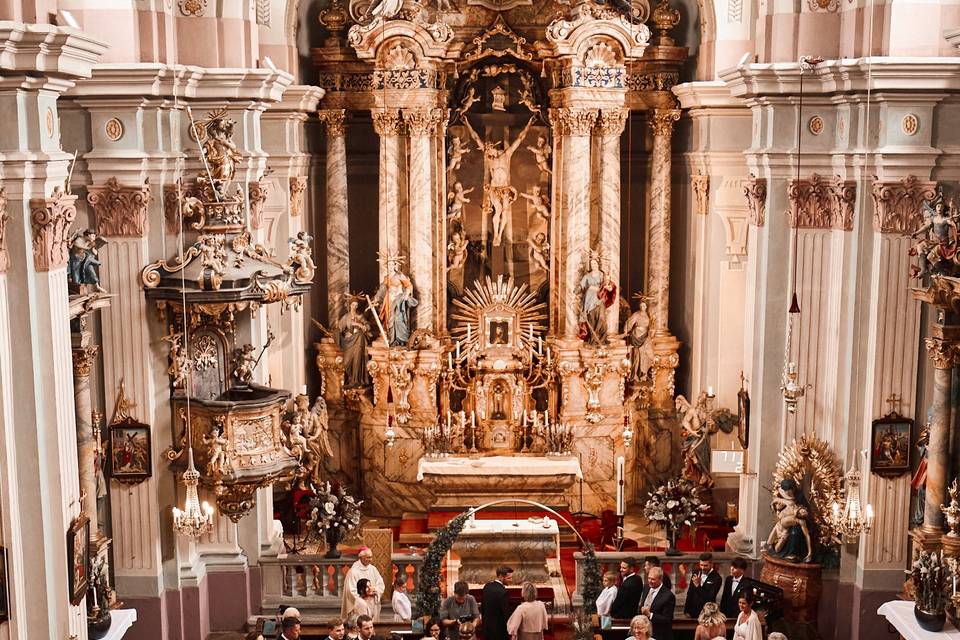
column 931, row 575
column 334, row 515
column 674, row 505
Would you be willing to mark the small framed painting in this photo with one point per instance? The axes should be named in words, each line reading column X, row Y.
column 499, row 332
column 890, row 445
column 78, row 558
column 130, row 448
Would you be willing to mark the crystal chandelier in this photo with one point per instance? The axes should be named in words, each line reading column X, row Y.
column 849, row 519
column 195, row 519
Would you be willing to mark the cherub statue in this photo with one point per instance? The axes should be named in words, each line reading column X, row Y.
column 455, row 201
column 179, row 367
column 539, row 201
column 542, row 154
column 539, row 251
column 469, row 99
column 218, row 464
column 307, row 434
column 526, row 93
column 455, row 153
column 244, row 364
column 84, row 263
column 213, row 254
column 790, row 537
column 456, row 251
column 301, row 257
column 296, row 443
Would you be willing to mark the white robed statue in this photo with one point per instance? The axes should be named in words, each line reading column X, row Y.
column 394, row 300
column 362, row 568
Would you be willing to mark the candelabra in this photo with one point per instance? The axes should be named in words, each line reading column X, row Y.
column 850, row 520
column 195, row 519
column 558, row 437
column 441, row 440
column 952, row 511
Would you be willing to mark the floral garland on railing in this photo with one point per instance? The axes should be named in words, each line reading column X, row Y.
column 592, row 578
column 428, row 587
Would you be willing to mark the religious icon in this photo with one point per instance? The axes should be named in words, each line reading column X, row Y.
column 499, row 334
column 498, row 98
column 890, row 445
column 130, row 459
column 78, row 558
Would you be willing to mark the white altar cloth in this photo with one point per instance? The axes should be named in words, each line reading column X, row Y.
column 500, row 466
column 899, row 613
column 514, row 527
column 120, row 621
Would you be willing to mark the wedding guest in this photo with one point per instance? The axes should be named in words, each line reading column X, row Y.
column 337, row 630
column 362, row 568
column 653, row 561
column 458, row 608
column 608, row 595
column 529, row 620
column 290, row 629
column 496, row 605
column 731, row 588
column 712, row 623
column 640, row 628
column 351, row 630
column 748, row 624
column 704, row 586
column 402, row 609
column 365, row 629
column 433, row 629
column 658, row 605
column 625, row 603
column 366, row 604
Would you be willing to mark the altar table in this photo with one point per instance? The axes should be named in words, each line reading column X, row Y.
column 524, row 545
column 459, row 481
column 899, row 613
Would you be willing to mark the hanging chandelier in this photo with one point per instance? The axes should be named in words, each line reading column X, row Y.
column 195, row 519
column 848, row 518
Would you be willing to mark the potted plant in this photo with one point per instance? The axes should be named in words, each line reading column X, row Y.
column 672, row 506
column 931, row 574
column 334, row 515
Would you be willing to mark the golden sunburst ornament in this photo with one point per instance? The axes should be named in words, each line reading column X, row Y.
column 815, row 467
column 501, row 302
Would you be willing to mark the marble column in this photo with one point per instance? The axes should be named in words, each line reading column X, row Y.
column 84, row 355
column 572, row 129
column 943, row 352
column 610, row 126
column 338, row 223
column 420, row 125
column 388, row 126
column 658, row 281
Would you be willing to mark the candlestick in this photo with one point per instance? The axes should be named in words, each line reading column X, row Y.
column 620, row 502
column 473, row 419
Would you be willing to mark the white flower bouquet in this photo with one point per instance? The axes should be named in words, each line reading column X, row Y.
column 674, row 505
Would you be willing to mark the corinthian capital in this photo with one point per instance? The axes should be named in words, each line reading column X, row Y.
column 50, row 219
column 334, row 119
column 387, row 123
column 942, row 352
column 121, row 210
column 573, row 121
column 424, row 122
column 661, row 121
column 612, row 122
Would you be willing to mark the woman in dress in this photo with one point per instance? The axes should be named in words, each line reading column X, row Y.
column 366, row 604
column 353, row 336
column 748, row 624
column 599, row 293
column 529, row 620
column 712, row 623
column 640, row 628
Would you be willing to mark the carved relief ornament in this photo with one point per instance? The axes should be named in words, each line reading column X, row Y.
column 701, row 193
column 387, row 123
column 258, row 192
column 612, row 122
column 817, row 203
column 50, row 219
column 943, row 353
column 755, row 189
column 662, row 120
column 121, row 210
column 569, row 121
column 298, row 189
column 335, row 120
column 898, row 206
column 4, row 217
column 83, row 358
column 425, row 122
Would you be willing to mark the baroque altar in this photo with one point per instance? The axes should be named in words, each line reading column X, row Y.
column 501, row 326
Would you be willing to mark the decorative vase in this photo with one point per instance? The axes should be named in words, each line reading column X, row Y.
column 929, row 621
column 672, row 548
column 334, row 537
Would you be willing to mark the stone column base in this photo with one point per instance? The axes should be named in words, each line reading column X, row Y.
column 951, row 546
column 925, row 540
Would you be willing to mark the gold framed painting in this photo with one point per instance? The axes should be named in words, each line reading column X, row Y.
column 78, row 558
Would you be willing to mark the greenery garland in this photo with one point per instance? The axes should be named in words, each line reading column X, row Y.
column 592, row 578
column 428, row 588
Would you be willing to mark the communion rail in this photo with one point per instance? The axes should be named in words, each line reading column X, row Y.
column 678, row 568
column 314, row 584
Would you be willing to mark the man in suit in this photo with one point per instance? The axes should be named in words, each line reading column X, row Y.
column 495, row 606
column 337, row 630
column 654, row 561
column 625, row 604
column 704, row 586
column 290, row 629
column 730, row 593
column 658, row 604
column 365, row 630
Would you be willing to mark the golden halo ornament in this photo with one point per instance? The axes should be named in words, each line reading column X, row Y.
column 815, row 467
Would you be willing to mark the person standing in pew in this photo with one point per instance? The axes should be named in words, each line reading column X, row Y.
column 495, row 605
column 459, row 608
column 529, row 620
column 704, row 586
column 730, row 593
column 654, row 561
column 658, row 605
column 625, row 605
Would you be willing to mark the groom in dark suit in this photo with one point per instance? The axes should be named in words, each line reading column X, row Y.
column 732, row 586
column 627, row 600
column 495, row 606
column 658, row 603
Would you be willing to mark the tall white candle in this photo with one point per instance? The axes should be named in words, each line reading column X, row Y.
column 449, row 360
column 458, row 349
column 303, row 390
column 620, row 502
column 468, row 332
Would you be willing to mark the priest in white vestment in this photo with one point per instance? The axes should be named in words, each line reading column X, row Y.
column 362, row 568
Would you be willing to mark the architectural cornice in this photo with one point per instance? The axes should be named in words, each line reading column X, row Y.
column 298, row 98
column 711, row 94
column 47, row 49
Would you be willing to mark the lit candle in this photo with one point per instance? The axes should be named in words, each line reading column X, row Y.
column 710, row 391
column 473, row 419
column 540, row 345
column 449, row 418
column 548, row 356
column 620, row 504
column 303, row 392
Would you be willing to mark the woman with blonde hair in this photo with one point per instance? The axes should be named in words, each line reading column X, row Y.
column 712, row 623
column 529, row 620
column 640, row 628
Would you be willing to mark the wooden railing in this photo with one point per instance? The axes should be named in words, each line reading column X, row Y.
column 678, row 568
column 313, row 583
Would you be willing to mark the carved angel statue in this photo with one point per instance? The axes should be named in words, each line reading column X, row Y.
column 542, row 153
column 469, row 99
column 598, row 293
column 244, row 364
column 539, row 201
column 218, row 464
column 307, row 434
column 213, row 253
column 455, row 153
column 939, row 242
column 221, row 153
column 456, row 251
column 301, row 257
column 790, row 537
column 526, row 93
column 84, row 263
column 296, row 443
column 539, row 251
column 455, row 200
column 637, row 332
column 179, row 367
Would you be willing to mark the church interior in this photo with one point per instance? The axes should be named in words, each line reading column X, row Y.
column 655, row 303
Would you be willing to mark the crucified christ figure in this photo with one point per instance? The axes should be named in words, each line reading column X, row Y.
column 497, row 179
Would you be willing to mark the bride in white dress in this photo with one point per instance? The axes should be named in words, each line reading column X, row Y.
column 748, row 624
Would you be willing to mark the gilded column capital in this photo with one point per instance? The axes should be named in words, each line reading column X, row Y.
column 121, row 210
column 424, row 122
column 661, row 121
column 898, row 206
column 387, row 123
column 335, row 119
column 50, row 220
column 612, row 122
column 573, row 121
column 755, row 189
column 4, row 216
column 83, row 358
column 942, row 352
